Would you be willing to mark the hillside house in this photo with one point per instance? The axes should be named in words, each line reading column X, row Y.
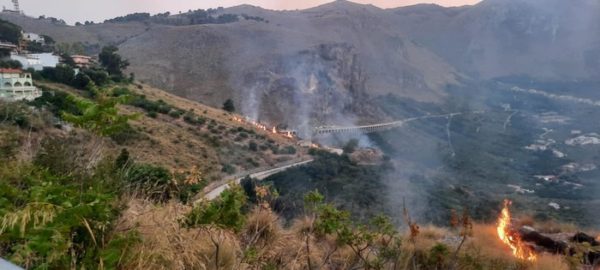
column 82, row 61
column 33, row 37
column 36, row 61
column 17, row 85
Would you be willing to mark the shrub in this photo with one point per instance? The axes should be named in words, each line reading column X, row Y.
column 289, row 150
column 438, row 257
column 126, row 135
column 9, row 144
column 99, row 116
column 192, row 119
column 56, row 102
column 15, row 113
column 152, row 114
column 59, row 222
column 253, row 146
column 121, row 91
column 228, row 168
column 81, row 80
column 123, row 159
column 58, row 156
column 152, row 181
column 99, row 76
column 225, row 211
column 176, row 113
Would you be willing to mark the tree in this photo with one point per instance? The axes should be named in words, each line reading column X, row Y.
column 48, row 39
column 113, row 62
column 101, row 117
column 10, row 64
column 10, row 32
column 64, row 74
column 229, row 106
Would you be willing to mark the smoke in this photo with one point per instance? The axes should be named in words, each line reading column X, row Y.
column 468, row 160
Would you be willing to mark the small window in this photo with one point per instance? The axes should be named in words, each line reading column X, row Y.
column 27, row 84
column 17, row 84
column 7, row 84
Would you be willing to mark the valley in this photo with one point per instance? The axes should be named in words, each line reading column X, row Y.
column 343, row 136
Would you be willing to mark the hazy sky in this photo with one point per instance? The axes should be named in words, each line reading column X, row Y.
column 99, row 10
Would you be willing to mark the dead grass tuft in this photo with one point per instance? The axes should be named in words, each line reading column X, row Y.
column 166, row 245
column 262, row 227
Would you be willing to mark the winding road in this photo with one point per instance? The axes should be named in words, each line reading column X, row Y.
column 214, row 190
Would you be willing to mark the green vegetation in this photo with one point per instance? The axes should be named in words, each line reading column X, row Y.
column 153, row 108
column 55, row 221
column 100, row 116
column 192, row 17
column 113, row 62
column 225, row 211
column 363, row 194
column 151, row 181
column 229, row 106
column 10, row 32
column 378, row 238
column 10, row 64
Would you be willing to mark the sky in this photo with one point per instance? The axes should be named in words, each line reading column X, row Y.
column 98, row 10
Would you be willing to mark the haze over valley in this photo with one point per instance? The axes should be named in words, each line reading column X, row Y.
column 413, row 112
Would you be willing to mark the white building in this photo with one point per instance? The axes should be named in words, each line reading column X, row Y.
column 33, row 37
column 17, row 85
column 37, row 61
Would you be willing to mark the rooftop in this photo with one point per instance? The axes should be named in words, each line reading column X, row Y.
column 10, row 70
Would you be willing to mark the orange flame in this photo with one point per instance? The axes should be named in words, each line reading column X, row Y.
column 519, row 250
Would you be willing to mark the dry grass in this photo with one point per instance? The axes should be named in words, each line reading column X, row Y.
column 429, row 236
column 201, row 109
column 485, row 241
column 550, row 262
column 262, row 227
column 176, row 145
column 166, row 245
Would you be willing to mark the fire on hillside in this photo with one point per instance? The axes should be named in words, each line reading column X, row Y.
column 511, row 237
column 292, row 134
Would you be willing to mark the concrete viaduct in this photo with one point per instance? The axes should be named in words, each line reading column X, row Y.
column 375, row 127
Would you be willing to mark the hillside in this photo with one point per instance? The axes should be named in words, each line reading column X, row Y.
column 217, row 146
column 278, row 68
column 68, row 199
column 545, row 40
column 357, row 55
column 478, row 145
